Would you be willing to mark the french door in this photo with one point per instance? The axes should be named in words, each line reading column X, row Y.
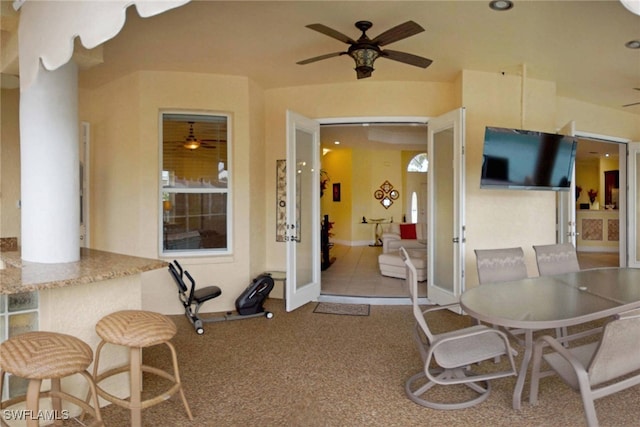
column 303, row 211
column 565, row 202
column 633, row 204
column 445, row 204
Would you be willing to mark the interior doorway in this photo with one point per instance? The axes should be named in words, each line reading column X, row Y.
column 356, row 154
column 601, row 199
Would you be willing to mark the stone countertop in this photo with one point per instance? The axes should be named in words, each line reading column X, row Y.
column 94, row 266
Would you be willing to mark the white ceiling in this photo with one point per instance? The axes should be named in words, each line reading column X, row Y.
column 578, row 44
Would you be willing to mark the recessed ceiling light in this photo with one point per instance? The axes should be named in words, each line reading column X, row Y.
column 501, row 5
column 336, row 142
column 633, row 44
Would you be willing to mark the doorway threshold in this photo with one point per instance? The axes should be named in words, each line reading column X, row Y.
column 345, row 299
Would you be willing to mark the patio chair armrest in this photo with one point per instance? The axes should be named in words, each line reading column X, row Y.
column 440, row 307
column 471, row 332
column 556, row 345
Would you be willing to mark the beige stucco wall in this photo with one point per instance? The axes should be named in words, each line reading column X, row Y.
column 257, row 168
column 9, row 163
column 504, row 218
column 124, row 117
column 596, row 119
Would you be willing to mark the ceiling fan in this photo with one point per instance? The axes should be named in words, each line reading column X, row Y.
column 365, row 51
column 633, row 103
column 191, row 142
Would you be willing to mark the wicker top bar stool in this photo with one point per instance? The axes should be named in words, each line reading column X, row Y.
column 137, row 329
column 41, row 355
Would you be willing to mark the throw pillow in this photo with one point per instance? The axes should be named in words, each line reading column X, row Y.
column 408, row 231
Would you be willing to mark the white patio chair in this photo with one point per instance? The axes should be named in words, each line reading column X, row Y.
column 500, row 265
column 556, row 259
column 596, row 369
column 560, row 258
column 505, row 265
column 454, row 352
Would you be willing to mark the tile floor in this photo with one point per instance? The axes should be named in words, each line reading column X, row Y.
column 355, row 273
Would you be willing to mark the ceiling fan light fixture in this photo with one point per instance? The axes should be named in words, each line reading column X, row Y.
column 191, row 143
column 364, row 59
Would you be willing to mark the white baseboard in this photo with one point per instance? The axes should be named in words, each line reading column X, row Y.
column 353, row 243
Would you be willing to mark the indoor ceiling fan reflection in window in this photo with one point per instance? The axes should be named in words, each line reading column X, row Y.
column 365, row 51
column 191, row 142
column 633, row 103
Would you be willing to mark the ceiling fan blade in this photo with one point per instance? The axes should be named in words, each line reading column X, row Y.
column 331, row 33
column 319, row 58
column 407, row 58
column 398, row 32
column 632, row 104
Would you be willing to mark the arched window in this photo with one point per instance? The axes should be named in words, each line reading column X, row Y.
column 419, row 163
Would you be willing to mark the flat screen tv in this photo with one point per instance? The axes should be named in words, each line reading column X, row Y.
column 528, row 160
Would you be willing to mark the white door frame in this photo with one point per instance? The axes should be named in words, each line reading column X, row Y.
column 565, row 201
column 633, row 213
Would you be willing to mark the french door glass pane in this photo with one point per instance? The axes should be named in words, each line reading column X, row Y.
column 444, row 209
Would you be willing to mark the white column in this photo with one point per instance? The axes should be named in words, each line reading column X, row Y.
column 50, row 166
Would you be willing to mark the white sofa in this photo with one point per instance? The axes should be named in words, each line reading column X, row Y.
column 392, row 265
column 395, row 235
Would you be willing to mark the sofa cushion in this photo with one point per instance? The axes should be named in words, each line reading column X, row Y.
column 392, row 265
column 408, row 231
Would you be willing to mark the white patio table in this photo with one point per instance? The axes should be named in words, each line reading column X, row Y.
column 551, row 302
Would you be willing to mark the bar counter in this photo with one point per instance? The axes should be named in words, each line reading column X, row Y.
column 71, row 298
column 94, row 266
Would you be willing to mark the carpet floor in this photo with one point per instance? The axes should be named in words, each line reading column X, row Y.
column 305, row 369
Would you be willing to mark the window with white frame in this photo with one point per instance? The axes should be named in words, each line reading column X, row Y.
column 195, row 203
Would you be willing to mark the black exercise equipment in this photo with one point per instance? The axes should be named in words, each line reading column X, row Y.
column 249, row 303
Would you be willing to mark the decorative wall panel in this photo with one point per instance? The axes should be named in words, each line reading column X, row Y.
column 281, row 200
column 613, row 230
column 592, row 229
